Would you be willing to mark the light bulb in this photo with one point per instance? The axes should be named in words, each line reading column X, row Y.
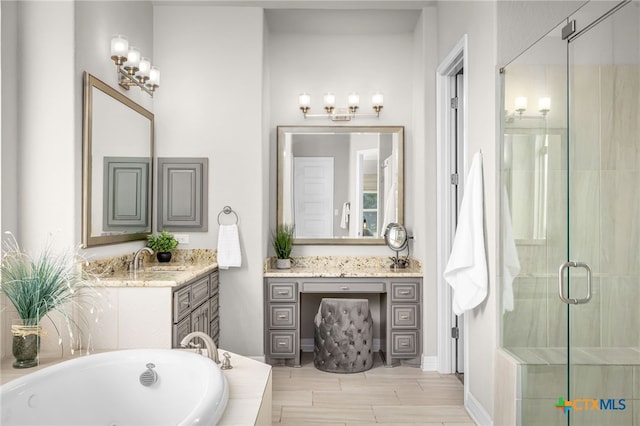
column 154, row 77
column 377, row 99
column 144, row 68
column 119, row 46
column 329, row 100
column 521, row 104
column 544, row 104
column 304, row 100
column 353, row 99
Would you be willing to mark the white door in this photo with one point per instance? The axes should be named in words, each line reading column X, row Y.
column 313, row 197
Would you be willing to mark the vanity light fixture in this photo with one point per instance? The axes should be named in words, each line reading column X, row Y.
column 132, row 68
column 341, row 114
column 544, row 106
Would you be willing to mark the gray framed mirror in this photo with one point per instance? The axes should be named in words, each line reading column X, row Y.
column 117, row 163
column 340, row 184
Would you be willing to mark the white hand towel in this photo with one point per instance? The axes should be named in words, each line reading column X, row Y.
column 344, row 222
column 229, row 247
column 466, row 271
column 510, row 261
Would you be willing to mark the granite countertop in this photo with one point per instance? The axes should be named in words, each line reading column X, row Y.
column 341, row 266
column 185, row 265
column 155, row 276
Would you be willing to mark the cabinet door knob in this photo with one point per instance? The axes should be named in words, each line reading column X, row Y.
column 404, row 344
column 282, row 343
column 404, row 292
column 344, row 287
column 283, row 292
column 282, row 316
column 404, row 317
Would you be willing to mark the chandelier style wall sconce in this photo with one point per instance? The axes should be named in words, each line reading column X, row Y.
column 132, row 68
column 544, row 106
column 341, row 114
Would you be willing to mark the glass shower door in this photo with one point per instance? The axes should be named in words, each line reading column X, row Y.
column 599, row 284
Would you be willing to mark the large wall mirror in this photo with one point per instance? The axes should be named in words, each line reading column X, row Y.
column 340, row 184
column 117, row 155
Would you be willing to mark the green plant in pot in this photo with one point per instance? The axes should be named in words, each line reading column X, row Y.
column 162, row 244
column 39, row 287
column 282, row 242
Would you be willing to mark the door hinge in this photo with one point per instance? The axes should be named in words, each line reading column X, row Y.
column 454, row 103
column 454, row 178
column 455, row 333
column 569, row 29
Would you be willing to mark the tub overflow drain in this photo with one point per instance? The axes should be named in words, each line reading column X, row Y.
column 149, row 377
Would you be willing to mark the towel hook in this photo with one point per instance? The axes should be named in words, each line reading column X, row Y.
column 227, row 210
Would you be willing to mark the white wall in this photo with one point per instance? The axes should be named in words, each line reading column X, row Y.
column 320, row 62
column 210, row 105
column 478, row 21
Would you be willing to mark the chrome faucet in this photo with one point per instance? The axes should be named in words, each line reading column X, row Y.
column 212, row 349
column 137, row 263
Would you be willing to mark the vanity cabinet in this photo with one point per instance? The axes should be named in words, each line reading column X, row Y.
column 400, row 313
column 195, row 308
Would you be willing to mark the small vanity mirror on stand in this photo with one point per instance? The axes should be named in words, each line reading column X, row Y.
column 395, row 235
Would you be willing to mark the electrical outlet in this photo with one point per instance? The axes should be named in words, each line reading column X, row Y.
column 182, row 238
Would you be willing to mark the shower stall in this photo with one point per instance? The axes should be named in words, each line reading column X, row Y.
column 570, row 220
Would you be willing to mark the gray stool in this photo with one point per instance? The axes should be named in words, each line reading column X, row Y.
column 343, row 336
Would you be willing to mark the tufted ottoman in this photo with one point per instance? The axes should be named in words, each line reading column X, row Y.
column 343, row 336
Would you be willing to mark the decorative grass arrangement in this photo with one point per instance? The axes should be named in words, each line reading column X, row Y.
column 282, row 241
column 39, row 286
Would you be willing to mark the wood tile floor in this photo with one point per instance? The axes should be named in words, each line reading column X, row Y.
column 380, row 396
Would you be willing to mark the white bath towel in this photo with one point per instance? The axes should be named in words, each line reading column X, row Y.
column 229, row 247
column 346, row 211
column 466, row 270
column 510, row 261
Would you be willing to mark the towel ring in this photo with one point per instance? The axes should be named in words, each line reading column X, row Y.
column 227, row 210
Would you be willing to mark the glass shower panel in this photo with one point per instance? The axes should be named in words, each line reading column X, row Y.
column 604, row 218
column 534, row 218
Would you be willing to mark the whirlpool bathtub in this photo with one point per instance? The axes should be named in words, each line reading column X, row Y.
column 128, row 387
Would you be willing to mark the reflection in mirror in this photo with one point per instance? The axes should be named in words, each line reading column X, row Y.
column 340, row 184
column 526, row 175
column 117, row 162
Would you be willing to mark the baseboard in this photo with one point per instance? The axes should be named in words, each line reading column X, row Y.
column 306, row 345
column 429, row 363
column 477, row 411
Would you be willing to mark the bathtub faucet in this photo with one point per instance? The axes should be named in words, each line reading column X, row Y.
column 212, row 349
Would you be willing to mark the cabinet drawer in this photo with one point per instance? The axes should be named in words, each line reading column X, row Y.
column 180, row 330
column 200, row 291
column 283, row 315
column 214, row 283
column 405, row 292
column 282, row 292
column 282, row 344
column 181, row 303
column 404, row 316
column 346, row 287
column 404, row 343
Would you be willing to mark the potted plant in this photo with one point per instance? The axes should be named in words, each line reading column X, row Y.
column 38, row 287
column 162, row 244
column 282, row 241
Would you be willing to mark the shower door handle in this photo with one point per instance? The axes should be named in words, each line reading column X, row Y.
column 561, row 292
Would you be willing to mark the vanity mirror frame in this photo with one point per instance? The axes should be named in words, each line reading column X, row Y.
column 89, row 188
column 282, row 131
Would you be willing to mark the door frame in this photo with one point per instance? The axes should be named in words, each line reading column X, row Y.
column 445, row 81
